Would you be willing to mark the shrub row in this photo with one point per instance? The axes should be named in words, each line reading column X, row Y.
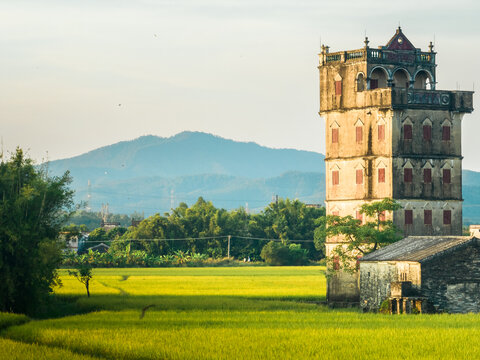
column 140, row 258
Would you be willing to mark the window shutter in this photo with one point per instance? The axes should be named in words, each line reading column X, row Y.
column 335, row 177
column 359, row 177
column 445, row 133
column 407, row 132
column 381, row 132
column 373, row 84
column 407, row 175
column 408, row 217
column 381, row 216
column 359, row 216
column 446, row 176
column 359, row 134
column 334, row 136
column 447, row 217
column 427, row 176
column 336, row 263
column 381, row 175
column 427, row 217
column 338, row 87
column 427, row 132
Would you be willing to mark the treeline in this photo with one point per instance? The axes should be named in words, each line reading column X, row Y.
column 203, row 229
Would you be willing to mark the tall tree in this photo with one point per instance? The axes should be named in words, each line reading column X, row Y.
column 32, row 211
column 357, row 237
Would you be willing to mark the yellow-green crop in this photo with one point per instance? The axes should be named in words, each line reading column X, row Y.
column 238, row 313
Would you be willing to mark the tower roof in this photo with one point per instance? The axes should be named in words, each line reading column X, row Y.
column 399, row 42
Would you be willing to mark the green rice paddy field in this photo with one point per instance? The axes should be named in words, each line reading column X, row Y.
column 227, row 313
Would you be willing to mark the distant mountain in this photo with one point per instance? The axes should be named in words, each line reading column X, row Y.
column 185, row 154
column 148, row 173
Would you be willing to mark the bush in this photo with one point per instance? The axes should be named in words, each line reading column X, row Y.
column 384, row 307
column 277, row 253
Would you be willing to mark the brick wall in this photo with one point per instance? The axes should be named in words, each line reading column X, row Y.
column 452, row 281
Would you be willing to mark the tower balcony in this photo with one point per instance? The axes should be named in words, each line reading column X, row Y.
column 459, row 101
column 401, row 98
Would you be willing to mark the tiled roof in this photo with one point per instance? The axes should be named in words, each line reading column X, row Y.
column 417, row 248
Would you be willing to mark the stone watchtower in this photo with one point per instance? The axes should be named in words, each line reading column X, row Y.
column 390, row 133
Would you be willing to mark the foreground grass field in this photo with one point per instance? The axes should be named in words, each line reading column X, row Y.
column 230, row 313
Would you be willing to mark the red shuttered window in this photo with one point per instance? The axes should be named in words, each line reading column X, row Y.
column 446, row 176
column 359, row 216
column 335, row 177
column 445, row 133
column 407, row 132
column 381, row 175
column 359, row 177
column 338, row 88
column 408, row 217
column 427, row 176
column 334, row 136
column 359, row 134
column 407, row 175
column 381, row 216
column 427, row 132
column 447, row 217
column 427, row 217
column 381, row 132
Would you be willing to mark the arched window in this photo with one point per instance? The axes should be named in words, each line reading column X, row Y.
column 401, row 79
column 423, row 81
column 378, row 78
column 360, row 82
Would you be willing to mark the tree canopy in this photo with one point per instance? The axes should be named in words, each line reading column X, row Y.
column 287, row 220
column 358, row 237
column 32, row 211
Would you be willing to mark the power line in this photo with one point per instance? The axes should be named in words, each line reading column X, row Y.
column 201, row 238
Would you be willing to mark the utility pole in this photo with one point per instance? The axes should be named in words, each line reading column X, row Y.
column 228, row 248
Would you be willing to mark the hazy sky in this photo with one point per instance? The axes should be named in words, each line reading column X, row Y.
column 77, row 75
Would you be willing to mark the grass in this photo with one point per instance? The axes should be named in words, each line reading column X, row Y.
column 234, row 313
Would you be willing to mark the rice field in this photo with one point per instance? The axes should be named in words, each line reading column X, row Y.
column 228, row 313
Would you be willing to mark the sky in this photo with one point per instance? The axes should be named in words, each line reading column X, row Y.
column 78, row 75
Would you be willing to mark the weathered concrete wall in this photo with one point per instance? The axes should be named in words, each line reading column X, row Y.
column 376, row 278
column 452, row 282
column 419, row 228
column 347, row 122
column 417, row 145
column 343, row 288
column 436, row 189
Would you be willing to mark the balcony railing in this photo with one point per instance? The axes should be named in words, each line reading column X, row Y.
column 380, row 56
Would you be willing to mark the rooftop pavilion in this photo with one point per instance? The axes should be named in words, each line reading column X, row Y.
column 397, row 75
